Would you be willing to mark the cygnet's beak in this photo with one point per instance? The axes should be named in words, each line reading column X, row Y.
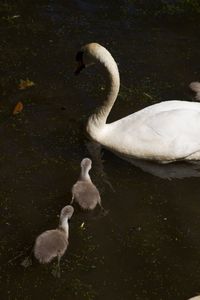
column 79, row 68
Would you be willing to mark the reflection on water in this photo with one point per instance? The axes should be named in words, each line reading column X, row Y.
column 177, row 170
column 147, row 247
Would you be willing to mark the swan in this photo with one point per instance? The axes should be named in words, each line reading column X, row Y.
column 195, row 298
column 84, row 192
column 53, row 243
column 164, row 132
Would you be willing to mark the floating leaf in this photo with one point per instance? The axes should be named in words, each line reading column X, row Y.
column 24, row 84
column 18, row 108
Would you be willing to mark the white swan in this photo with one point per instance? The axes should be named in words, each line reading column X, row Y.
column 163, row 132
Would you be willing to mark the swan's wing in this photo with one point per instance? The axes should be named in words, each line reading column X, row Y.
column 166, row 131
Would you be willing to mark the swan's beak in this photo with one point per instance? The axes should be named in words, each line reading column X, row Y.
column 79, row 68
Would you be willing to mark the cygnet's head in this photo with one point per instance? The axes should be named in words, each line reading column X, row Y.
column 89, row 55
column 195, row 87
column 86, row 164
column 66, row 212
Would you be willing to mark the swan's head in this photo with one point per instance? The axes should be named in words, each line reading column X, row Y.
column 89, row 55
column 66, row 212
column 86, row 164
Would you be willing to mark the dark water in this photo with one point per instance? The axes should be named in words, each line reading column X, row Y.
column 148, row 246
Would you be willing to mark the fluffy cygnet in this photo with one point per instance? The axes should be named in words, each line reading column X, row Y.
column 84, row 192
column 53, row 243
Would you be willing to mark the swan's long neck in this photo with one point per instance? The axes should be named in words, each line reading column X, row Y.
column 99, row 118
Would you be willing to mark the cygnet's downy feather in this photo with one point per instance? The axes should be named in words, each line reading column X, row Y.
column 84, row 192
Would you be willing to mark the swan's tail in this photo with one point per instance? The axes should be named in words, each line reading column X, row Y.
column 195, row 87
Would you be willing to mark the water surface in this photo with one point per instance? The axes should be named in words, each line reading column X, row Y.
column 147, row 247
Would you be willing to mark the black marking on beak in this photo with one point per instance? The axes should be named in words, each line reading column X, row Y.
column 79, row 59
column 79, row 68
column 79, row 56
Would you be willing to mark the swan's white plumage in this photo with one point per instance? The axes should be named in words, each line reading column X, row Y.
column 163, row 132
column 166, row 131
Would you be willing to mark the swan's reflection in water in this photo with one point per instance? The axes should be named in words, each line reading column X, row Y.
column 95, row 150
column 176, row 170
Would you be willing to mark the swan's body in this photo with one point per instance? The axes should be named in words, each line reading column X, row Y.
column 84, row 192
column 53, row 243
column 163, row 132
